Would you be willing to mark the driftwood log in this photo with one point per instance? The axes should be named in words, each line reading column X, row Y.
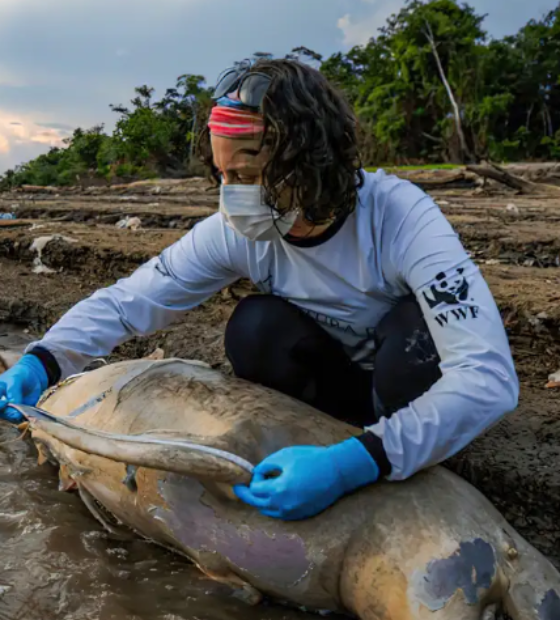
column 499, row 174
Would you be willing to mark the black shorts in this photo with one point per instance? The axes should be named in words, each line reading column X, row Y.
column 272, row 342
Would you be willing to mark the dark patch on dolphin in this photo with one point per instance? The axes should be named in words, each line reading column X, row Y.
column 129, row 480
column 549, row 609
column 472, row 569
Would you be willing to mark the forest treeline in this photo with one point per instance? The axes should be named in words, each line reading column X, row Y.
column 430, row 86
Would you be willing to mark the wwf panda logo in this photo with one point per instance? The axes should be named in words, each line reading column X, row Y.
column 448, row 289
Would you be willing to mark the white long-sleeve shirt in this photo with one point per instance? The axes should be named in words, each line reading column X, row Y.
column 396, row 241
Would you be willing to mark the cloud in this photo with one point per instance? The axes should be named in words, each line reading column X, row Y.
column 4, row 144
column 359, row 27
column 60, row 126
column 25, row 135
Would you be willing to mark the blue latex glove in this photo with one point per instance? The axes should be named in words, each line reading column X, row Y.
column 310, row 479
column 23, row 384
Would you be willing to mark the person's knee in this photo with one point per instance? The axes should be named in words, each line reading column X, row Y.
column 252, row 324
column 257, row 335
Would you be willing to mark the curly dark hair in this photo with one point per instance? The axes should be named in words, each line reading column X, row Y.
column 311, row 131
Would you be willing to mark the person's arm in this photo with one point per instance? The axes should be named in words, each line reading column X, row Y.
column 422, row 253
column 479, row 384
column 184, row 275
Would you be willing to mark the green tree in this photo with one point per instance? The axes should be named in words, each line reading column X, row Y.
column 429, row 86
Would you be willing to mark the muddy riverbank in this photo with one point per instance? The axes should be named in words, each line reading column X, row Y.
column 515, row 240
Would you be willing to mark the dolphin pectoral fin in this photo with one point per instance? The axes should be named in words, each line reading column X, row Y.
column 150, row 451
column 215, row 567
column 248, row 595
column 42, row 458
column 65, row 481
column 23, row 427
column 119, row 533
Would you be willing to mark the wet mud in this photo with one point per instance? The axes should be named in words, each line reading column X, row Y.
column 56, row 556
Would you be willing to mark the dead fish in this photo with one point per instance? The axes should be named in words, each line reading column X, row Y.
column 432, row 547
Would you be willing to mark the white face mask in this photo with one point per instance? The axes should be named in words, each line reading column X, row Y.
column 245, row 212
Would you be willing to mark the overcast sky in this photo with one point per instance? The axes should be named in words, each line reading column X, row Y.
column 63, row 61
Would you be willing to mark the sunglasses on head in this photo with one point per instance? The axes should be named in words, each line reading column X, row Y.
column 250, row 87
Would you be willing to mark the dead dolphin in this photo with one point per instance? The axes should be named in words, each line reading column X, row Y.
column 156, row 445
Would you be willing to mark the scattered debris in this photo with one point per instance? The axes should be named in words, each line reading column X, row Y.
column 14, row 223
column 534, row 321
column 39, row 268
column 553, row 380
column 511, row 208
column 38, row 245
column 129, row 223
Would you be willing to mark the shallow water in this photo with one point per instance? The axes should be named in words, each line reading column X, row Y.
column 57, row 563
